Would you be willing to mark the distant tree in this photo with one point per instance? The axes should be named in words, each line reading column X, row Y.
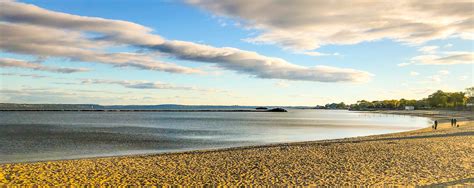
column 391, row 104
column 363, row 104
column 341, row 106
column 422, row 104
column 456, row 99
column 438, row 99
column 411, row 102
column 470, row 95
column 330, row 106
column 378, row 104
column 403, row 103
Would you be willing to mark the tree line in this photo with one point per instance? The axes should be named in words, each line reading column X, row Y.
column 438, row 100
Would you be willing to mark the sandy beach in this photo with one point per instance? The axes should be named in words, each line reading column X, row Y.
column 423, row 157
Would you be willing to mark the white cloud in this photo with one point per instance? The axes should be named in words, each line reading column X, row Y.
column 403, row 64
column 458, row 58
column 435, row 78
column 449, row 45
column 24, row 75
column 306, row 24
column 114, row 31
column 443, row 72
column 28, row 29
column 58, row 95
column 413, row 73
column 247, row 62
column 428, row 49
column 56, row 42
column 9, row 62
column 431, row 56
column 140, row 84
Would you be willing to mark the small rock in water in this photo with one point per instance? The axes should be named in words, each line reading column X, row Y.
column 277, row 110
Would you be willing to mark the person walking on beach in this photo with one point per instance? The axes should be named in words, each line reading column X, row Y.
column 452, row 122
column 435, row 124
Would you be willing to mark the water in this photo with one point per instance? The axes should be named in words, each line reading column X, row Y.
column 34, row 136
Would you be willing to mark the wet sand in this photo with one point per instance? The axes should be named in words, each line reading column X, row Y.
column 422, row 157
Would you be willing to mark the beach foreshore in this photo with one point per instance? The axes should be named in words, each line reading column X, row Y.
column 421, row 157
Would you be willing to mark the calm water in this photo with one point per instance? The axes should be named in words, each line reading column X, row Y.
column 33, row 136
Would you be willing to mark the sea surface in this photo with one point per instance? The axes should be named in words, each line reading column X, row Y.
column 42, row 135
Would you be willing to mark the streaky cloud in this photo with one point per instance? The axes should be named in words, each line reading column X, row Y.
column 139, row 84
column 115, row 31
column 29, row 29
column 54, row 42
column 9, row 62
column 247, row 62
column 450, row 59
column 24, row 75
column 307, row 24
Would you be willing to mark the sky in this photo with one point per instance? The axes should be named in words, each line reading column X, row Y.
column 225, row 52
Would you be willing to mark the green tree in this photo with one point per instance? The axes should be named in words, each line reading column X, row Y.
column 422, row 104
column 391, row 104
column 341, row 105
column 363, row 105
column 456, row 99
column 470, row 95
column 438, row 99
column 403, row 103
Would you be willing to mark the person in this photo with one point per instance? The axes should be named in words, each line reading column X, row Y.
column 435, row 124
column 452, row 122
column 455, row 122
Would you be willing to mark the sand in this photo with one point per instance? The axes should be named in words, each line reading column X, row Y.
column 422, row 157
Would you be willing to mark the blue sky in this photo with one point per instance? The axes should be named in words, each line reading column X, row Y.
column 287, row 56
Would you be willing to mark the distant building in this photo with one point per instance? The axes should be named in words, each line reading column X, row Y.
column 409, row 108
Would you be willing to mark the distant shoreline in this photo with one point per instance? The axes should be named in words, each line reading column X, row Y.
column 140, row 110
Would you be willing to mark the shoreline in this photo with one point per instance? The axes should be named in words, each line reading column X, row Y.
column 426, row 113
column 225, row 149
column 433, row 115
column 467, row 129
column 136, row 111
column 198, row 151
column 438, row 114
